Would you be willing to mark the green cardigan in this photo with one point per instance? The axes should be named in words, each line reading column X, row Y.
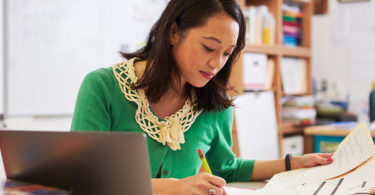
column 101, row 106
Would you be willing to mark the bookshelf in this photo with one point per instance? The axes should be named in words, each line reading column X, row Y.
column 277, row 52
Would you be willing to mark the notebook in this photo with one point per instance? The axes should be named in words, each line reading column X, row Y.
column 235, row 190
column 80, row 162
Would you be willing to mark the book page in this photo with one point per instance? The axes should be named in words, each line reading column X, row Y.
column 352, row 170
column 355, row 149
column 359, row 180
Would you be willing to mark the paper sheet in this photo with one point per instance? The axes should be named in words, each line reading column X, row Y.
column 355, row 149
column 352, row 170
column 360, row 180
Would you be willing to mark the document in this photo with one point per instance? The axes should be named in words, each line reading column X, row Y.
column 352, row 170
column 362, row 179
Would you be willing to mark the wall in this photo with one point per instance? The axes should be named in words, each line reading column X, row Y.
column 343, row 50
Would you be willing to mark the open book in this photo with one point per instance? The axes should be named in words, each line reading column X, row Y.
column 352, row 171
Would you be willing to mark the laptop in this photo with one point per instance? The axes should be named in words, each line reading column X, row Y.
column 81, row 162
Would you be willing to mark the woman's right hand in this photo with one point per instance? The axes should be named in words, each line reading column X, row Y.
column 201, row 183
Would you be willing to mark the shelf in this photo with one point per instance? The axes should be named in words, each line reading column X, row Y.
column 301, row 1
column 290, row 128
column 303, row 52
column 269, row 50
column 296, row 94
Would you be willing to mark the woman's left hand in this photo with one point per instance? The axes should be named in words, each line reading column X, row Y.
column 311, row 160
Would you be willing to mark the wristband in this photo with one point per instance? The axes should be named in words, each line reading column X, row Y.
column 287, row 162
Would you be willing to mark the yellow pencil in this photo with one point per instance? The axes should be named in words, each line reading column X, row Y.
column 204, row 162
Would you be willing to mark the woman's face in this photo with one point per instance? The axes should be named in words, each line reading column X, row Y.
column 202, row 51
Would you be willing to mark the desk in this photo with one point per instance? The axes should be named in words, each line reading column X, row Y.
column 324, row 138
column 10, row 187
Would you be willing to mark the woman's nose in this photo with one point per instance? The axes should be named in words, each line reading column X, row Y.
column 216, row 62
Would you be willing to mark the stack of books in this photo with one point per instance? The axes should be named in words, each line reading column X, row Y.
column 292, row 24
column 300, row 110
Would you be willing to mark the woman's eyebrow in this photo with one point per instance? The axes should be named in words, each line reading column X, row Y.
column 212, row 38
column 216, row 39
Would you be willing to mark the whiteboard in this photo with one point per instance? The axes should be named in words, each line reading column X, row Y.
column 2, row 91
column 53, row 44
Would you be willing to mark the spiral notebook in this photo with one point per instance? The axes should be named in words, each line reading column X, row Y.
column 232, row 190
column 242, row 188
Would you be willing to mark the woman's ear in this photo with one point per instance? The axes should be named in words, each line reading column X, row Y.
column 173, row 34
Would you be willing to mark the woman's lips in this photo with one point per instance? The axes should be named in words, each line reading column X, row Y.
column 207, row 75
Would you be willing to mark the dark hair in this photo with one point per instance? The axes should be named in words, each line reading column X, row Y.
column 160, row 76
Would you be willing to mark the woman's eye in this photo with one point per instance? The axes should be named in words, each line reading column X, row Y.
column 226, row 54
column 208, row 49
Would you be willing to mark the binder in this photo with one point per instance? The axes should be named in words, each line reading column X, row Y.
column 254, row 71
column 256, row 125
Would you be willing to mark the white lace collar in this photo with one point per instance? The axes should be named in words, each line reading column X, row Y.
column 171, row 129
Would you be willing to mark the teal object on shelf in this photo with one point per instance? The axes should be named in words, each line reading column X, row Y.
column 372, row 103
column 327, row 144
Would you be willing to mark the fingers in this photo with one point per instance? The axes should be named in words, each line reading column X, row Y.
column 215, row 190
column 214, row 182
column 315, row 159
column 212, row 179
column 325, row 155
column 217, row 181
column 326, row 158
column 323, row 159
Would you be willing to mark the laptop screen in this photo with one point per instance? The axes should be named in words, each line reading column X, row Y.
column 81, row 162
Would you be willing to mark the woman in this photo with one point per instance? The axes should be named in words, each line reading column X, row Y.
column 174, row 90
